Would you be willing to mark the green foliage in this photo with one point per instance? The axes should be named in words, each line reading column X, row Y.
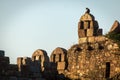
column 114, row 36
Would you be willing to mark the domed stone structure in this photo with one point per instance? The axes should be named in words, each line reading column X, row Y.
column 59, row 58
column 58, row 55
column 41, row 56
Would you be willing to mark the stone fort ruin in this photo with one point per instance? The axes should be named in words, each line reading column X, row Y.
column 95, row 57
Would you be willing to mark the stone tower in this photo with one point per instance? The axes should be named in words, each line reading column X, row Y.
column 95, row 57
column 88, row 27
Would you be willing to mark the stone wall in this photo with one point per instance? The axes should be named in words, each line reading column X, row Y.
column 94, row 61
column 6, row 69
column 4, row 62
column 22, row 62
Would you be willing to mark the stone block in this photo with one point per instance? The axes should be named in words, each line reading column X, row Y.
column 60, row 65
column 100, row 38
column 86, row 24
column 107, row 54
column 91, row 39
column 2, row 53
column 117, row 69
column 115, row 46
column 91, row 24
column 57, row 58
column 82, row 40
column 99, row 32
column 90, row 32
column 109, row 47
column 81, row 33
column 63, row 58
column 103, row 66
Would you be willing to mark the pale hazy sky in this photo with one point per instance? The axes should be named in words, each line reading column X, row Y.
column 28, row 25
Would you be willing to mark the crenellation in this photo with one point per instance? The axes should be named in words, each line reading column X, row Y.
column 2, row 53
column 95, row 57
column 58, row 57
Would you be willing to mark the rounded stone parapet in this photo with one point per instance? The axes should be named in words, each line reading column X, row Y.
column 58, row 55
column 42, row 57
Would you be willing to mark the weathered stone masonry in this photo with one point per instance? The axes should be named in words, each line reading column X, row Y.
column 95, row 57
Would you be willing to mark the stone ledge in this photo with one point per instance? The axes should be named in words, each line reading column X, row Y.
column 92, row 39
